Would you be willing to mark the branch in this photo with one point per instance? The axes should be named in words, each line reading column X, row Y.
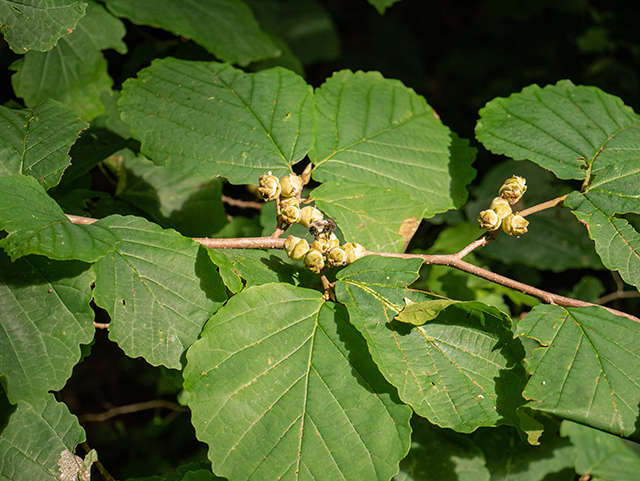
column 132, row 408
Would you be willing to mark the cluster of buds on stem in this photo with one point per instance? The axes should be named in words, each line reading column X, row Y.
column 500, row 213
column 323, row 252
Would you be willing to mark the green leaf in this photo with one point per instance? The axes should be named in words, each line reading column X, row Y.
column 226, row 28
column 207, row 118
column 460, row 370
column 282, row 386
column 185, row 472
column 36, row 141
column 442, row 455
column 573, row 131
column 382, row 5
column 38, row 24
column 46, row 318
column 377, row 131
column 587, row 368
column 380, row 219
column 74, row 72
column 256, row 267
column 35, row 438
column 601, row 455
column 190, row 204
column 616, row 190
column 419, row 313
column 159, row 289
column 37, row 225
column 555, row 240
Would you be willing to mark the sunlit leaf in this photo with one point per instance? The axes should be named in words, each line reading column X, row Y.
column 226, row 28
column 38, row 24
column 282, row 387
column 159, row 289
column 36, row 141
column 459, row 370
column 74, row 72
column 208, row 118
column 380, row 219
column 46, row 316
column 37, row 225
column 567, row 129
column 588, row 368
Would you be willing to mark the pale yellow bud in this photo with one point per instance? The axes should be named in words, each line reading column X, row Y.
column 354, row 251
column 299, row 250
column 290, row 210
column 489, row 220
column 289, row 243
column 309, row 215
column 269, row 186
column 291, row 185
column 513, row 189
column 337, row 257
column 501, row 207
column 314, row 261
column 515, row 224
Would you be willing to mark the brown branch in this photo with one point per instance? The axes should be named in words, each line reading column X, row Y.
column 132, row 408
column 243, row 204
column 617, row 295
column 241, row 243
column 544, row 205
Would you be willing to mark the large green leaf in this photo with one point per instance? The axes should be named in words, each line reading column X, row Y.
column 36, row 141
column 226, row 28
column 185, row 472
column 35, row 439
column 587, row 369
column 616, row 190
column 601, row 456
column 377, row 131
column 208, row 118
column 74, row 72
column 555, row 240
column 159, row 289
column 380, row 219
column 460, row 369
column 256, row 267
column 38, row 24
column 574, row 131
column 282, row 387
column 37, row 225
column 46, row 316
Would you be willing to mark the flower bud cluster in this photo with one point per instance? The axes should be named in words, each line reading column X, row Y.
column 500, row 213
column 288, row 190
column 324, row 251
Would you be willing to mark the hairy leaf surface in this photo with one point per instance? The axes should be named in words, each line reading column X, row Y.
column 159, row 289
column 570, row 130
column 588, row 368
column 46, row 316
column 36, row 141
column 460, row 369
column 282, row 387
column 226, row 28
column 377, row 131
column 616, row 190
column 34, row 438
column 380, row 219
column 38, row 24
column 37, row 225
column 74, row 72
column 208, row 118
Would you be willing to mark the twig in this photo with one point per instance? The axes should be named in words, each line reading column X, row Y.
column 241, row 243
column 243, row 204
column 103, row 471
column 132, row 408
column 617, row 295
column 543, row 206
column 101, row 325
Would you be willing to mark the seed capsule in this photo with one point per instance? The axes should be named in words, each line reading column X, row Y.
column 269, row 186
column 513, row 189
column 489, row 220
column 515, row 224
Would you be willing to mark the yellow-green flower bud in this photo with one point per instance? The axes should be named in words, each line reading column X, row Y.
column 291, row 185
column 513, row 189
column 321, row 245
column 337, row 257
column 299, row 249
column 314, row 261
column 309, row 215
column 501, row 207
column 514, row 224
column 289, row 243
column 290, row 210
column 269, row 186
column 354, row 251
column 489, row 220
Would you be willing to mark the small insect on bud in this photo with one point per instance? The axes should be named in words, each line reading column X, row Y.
column 314, row 261
column 309, row 215
column 291, row 185
column 354, row 251
column 501, row 207
column 322, row 228
column 513, row 189
column 290, row 210
column 296, row 248
column 337, row 257
column 515, row 224
column 269, row 186
column 489, row 220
